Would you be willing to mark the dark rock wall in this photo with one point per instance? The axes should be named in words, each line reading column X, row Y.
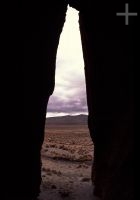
column 109, row 61
column 43, row 24
column 108, row 47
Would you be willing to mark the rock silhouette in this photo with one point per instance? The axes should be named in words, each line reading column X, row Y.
column 108, row 49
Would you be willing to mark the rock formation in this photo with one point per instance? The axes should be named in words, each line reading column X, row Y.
column 108, row 48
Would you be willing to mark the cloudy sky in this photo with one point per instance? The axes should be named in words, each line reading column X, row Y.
column 69, row 96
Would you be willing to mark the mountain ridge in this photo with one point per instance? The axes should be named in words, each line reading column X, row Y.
column 68, row 120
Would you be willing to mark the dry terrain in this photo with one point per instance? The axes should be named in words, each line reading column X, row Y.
column 67, row 156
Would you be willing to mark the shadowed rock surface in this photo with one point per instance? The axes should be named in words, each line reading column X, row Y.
column 108, row 48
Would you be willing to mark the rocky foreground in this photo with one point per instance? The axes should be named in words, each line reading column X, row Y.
column 67, row 156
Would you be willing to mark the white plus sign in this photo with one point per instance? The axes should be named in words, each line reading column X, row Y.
column 127, row 14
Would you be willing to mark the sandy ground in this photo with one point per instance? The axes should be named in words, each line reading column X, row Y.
column 67, row 156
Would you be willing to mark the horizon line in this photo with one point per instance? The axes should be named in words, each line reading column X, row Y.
column 48, row 115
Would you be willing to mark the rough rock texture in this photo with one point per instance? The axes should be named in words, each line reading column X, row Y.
column 109, row 61
column 108, row 48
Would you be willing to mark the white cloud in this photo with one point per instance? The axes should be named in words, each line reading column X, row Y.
column 70, row 92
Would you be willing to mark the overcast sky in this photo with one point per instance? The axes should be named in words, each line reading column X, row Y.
column 69, row 96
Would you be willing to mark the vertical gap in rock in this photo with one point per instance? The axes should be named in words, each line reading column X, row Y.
column 68, row 149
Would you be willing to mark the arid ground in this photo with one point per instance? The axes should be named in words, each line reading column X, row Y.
column 67, row 156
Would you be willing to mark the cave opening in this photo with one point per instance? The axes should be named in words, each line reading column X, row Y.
column 67, row 152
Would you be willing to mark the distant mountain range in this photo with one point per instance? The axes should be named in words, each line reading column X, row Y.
column 68, row 120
